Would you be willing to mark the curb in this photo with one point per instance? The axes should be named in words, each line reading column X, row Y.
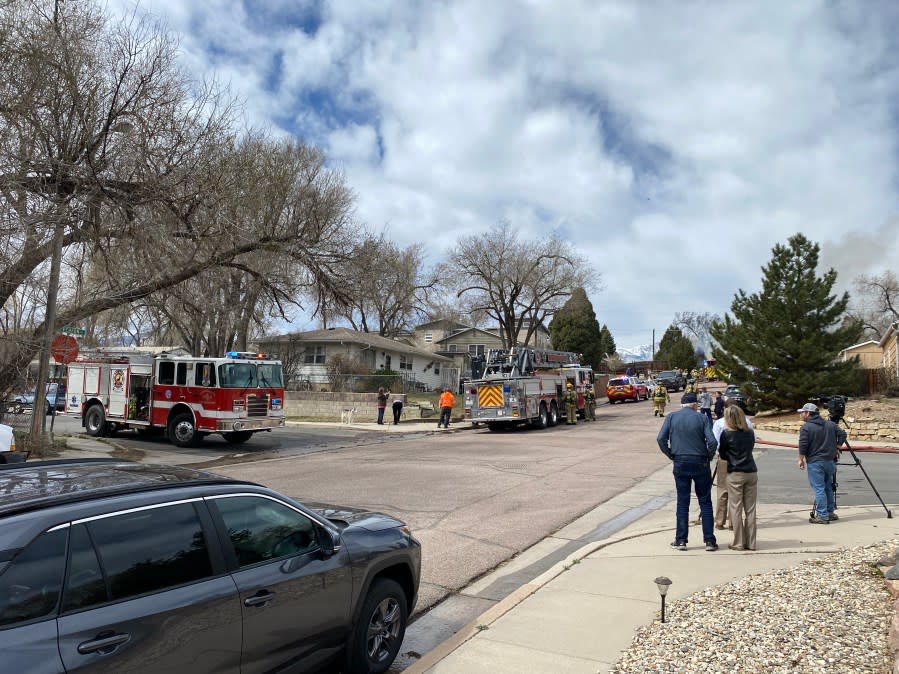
column 505, row 605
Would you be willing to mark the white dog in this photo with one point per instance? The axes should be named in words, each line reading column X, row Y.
column 346, row 416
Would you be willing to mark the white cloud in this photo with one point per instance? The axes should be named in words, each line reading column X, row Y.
column 668, row 139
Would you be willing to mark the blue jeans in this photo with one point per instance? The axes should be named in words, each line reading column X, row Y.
column 694, row 471
column 820, row 477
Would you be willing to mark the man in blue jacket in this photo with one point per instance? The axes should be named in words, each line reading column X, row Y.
column 686, row 438
column 818, row 442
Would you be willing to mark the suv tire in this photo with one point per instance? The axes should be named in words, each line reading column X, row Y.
column 380, row 629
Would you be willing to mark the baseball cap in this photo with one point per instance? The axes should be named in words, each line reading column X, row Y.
column 688, row 399
column 808, row 407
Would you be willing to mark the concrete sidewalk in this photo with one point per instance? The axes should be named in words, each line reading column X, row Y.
column 580, row 615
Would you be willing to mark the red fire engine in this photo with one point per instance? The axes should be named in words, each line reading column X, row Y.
column 187, row 397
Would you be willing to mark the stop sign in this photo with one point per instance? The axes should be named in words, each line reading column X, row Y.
column 64, row 349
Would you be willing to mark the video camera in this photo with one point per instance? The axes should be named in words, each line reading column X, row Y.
column 835, row 404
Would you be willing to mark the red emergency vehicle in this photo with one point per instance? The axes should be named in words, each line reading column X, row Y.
column 187, row 397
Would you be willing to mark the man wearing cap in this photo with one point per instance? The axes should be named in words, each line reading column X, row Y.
column 818, row 442
column 686, row 438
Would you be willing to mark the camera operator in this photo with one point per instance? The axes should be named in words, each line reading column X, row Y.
column 818, row 442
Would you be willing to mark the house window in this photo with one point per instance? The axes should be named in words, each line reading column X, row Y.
column 452, row 348
column 315, row 355
column 429, row 337
column 436, row 368
column 405, row 362
column 387, row 362
column 476, row 349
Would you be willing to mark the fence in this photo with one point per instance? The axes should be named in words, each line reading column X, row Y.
column 404, row 382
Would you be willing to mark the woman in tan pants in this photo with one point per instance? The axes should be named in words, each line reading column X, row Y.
column 735, row 447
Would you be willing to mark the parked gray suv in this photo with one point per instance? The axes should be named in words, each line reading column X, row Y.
column 114, row 566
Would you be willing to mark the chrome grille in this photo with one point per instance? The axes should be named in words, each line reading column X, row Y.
column 257, row 406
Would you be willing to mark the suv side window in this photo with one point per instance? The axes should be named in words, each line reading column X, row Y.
column 136, row 553
column 30, row 585
column 262, row 529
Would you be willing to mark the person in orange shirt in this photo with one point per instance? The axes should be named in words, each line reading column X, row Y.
column 446, row 403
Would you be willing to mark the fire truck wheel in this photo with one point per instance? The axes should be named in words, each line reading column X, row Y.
column 543, row 418
column 553, row 415
column 182, row 431
column 237, row 437
column 95, row 421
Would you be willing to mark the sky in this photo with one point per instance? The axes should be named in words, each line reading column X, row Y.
column 673, row 143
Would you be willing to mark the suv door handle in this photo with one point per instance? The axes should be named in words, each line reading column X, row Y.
column 103, row 645
column 259, row 599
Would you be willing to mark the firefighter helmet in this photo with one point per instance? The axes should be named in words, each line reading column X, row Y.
column 568, row 385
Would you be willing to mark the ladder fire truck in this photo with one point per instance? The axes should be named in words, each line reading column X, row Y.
column 187, row 397
column 524, row 385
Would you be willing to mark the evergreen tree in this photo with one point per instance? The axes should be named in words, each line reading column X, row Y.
column 606, row 342
column 782, row 343
column 676, row 349
column 575, row 328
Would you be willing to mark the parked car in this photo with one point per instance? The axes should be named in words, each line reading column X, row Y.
column 119, row 566
column 623, row 388
column 20, row 402
column 7, row 439
column 733, row 393
column 55, row 398
column 640, row 385
column 672, row 380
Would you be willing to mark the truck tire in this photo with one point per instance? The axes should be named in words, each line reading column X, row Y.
column 95, row 421
column 553, row 414
column 542, row 420
column 183, row 431
column 237, row 437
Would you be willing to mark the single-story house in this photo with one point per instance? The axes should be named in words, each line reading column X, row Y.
column 869, row 353
column 305, row 356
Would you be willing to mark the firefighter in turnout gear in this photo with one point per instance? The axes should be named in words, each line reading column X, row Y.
column 589, row 404
column 570, row 400
column 659, row 398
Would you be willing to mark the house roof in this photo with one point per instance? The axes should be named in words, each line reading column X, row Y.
column 344, row 335
column 444, row 323
column 861, row 344
column 492, row 335
column 894, row 328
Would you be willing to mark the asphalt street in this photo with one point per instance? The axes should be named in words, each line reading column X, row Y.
column 479, row 499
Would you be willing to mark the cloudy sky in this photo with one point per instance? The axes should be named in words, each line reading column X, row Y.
column 674, row 142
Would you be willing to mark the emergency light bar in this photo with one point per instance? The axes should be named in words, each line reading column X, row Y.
column 246, row 355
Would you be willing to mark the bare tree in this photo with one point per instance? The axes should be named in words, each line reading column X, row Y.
column 696, row 326
column 519, row 284
column 110, row 155
column 876, row 303
column 389, row 288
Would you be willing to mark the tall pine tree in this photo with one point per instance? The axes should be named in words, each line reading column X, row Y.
column 606, row 343
column 781, row 344
column 575, row 328
column 676, row 349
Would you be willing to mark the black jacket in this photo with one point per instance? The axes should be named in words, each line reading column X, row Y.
column 735, row 447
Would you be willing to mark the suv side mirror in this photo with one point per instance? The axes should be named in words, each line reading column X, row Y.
column 329, row 541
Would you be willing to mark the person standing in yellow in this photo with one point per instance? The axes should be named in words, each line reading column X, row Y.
column 570, row 399
column 659, row 398
column 446, row 403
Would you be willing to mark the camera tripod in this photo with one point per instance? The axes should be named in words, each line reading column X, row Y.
column 855, row 462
